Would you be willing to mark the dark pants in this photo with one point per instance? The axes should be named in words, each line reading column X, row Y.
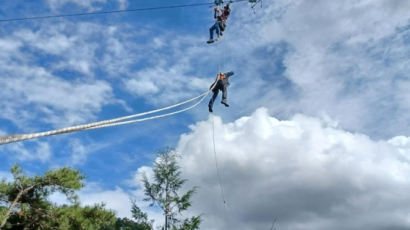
column 218, row 27
column 222, row 87
column 222, row 26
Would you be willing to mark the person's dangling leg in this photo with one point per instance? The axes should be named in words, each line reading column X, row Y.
column 218, row 30
column 224, row 96
column 211, row 102
column 211, row 32
column 222, row 26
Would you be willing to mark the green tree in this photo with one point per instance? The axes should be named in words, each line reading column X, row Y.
column 27, row 194
column 139, row 221
column 126, row 224
column 75, row 217
column 24, row 204
column 164, row 192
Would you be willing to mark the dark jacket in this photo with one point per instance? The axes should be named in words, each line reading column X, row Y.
column 224, row 82
column 227, row 76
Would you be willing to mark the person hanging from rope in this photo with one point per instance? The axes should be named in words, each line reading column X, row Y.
column 221, row 83
column 216, row 27
column 220, row 17
column 225, row 14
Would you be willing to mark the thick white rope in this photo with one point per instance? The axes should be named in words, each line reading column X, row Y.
column 105, row 123
column 153, row 117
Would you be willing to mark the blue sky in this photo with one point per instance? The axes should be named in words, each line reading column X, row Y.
column 319, row 96
column 80, row 61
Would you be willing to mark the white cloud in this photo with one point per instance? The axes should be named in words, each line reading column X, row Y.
column 78, row 152
column 55, row 100
column 82, row 47
column 72, row 45
column 155, row 88
column 122, row 4
column 91, row 5
column 175, row 70
column 338, row 21
column 303, row 172
column 88, row 4
column 117, row 200
column 338, row 58
column 8, row 45
column 142, row 87
column 293, row 57
column 32, row 151
column 139, row 175
column 50, row 96
column 345, row 66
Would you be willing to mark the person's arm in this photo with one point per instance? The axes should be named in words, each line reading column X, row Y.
column 228, row 74
column 216, row 12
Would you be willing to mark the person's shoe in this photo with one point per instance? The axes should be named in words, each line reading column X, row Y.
column 224, row 102
column 210, row 109
column 210, row 41
column 218, row 38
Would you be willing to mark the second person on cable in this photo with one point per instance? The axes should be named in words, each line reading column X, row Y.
column 219, row 27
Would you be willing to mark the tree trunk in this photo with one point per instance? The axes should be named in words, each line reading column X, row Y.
column 166, row 204
column 15, row 202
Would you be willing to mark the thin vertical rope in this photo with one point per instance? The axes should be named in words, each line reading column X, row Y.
column 216, row 162
column 219, row 59
column 273, row 224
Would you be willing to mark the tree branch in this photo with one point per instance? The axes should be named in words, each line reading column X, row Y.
column 15, row 202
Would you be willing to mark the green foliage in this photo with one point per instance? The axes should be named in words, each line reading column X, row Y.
column 3, row 211
column 24, row 204
column 127, row 224
column 64, row 180
column 32, row 210
column 140, row 217
column 4, row 190
column 164, row 191
column 82, row 218
column 190, row 224
column 137, row 214
column 26, row 200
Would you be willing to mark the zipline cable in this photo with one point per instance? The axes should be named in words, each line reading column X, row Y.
column 105, row 123
column 110, row 12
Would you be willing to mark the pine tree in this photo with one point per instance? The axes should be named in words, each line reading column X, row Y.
column 164, row 192
column 26, row 194
column 24, row 204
